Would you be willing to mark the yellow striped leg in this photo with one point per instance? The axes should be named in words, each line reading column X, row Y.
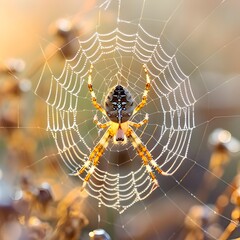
column 138, row 125
column 99, row 124
column 94, row 157
column 145, row 93
column 94, row 99
column 145, row 155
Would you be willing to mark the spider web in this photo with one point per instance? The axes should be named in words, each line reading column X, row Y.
column 117, row 49
column 191, row 49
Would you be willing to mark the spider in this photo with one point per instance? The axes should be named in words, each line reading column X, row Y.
column 119, row 108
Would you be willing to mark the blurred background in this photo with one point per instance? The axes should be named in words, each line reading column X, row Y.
column 39, row 200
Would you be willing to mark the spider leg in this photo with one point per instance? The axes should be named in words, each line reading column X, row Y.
column 94, row 99
column 88, row 162
column 99, row 124
column 145, row 155
column 145, row 93
column 138, row 125
column 94, row 157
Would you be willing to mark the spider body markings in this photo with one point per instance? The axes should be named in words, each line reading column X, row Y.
column 119, row 105
column 119, row 108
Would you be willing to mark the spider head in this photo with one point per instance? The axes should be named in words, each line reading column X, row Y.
column 119, row 104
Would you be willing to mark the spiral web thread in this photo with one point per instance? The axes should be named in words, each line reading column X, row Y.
column 117, row 55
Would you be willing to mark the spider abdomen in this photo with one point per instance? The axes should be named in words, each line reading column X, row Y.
column 119, row 104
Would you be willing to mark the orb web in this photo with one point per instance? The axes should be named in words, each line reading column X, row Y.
column 117, row 53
